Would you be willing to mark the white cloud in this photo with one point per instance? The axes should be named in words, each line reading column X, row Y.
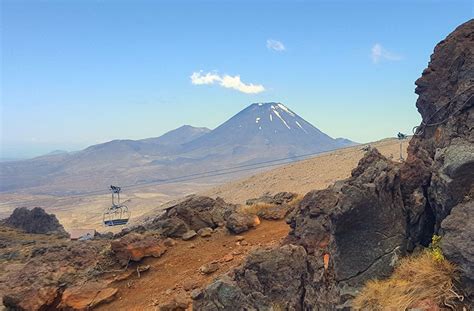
column 198, row 78
column 380, row 53
column 275, row 45
column 230, row 82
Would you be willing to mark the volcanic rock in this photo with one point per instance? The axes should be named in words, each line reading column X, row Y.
column 356, row 229
column 205, row 232
column 195, row 294
column 169, row 242
column 87, row 296
column 189, row 235
column 171, row 227
column 275, row 212
column 356, row 224
column 270, row 278
column 277, row 199
column 209, row 268
column 36, row 285
column 178, row 303
column 227, row 258
column 32, row 299
column 274, row 207
column 35, row 220
column 136, row 246
column 458, row 241
column 193, row 213
column 438, row 176
column 240, row 222
column 439, row 171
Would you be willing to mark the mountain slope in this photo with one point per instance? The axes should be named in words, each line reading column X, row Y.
column 181, row 135
column 259, row 132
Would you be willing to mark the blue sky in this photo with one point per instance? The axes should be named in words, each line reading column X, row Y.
column 75, row 73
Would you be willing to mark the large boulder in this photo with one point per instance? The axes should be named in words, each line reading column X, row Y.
column 270, row 279
column 358, row 222
column 273, row 207
column 170, row 227
column 32, row 299
column 135, row 247
column 241, row 222
column 35, row 221
column 38, row 284
column 458, row 242
column 194, row 213
column 86, row 296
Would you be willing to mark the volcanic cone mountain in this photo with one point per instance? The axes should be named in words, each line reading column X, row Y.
column 264, row 130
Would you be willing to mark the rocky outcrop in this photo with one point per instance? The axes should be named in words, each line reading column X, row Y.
column 358, row 222
column 273, row 278
column 274, row 207
column 86, row 297
column 458, row 241
column 198, row 213
column 38, row 284
column 438, row 177
column 277, row 199
column 32, row 299
column 340, row 237
column 439, row 171
column 35, row 221
column 194, row 213
column 135, row 247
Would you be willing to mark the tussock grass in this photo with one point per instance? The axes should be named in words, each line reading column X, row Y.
column 418, row 278
column 297, row 200
column 254, row 209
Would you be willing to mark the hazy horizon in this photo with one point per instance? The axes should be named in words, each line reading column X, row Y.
column 80, row 73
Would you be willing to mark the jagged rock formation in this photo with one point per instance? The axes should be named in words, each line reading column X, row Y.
column 360, row 214
column 439, row 170
column 269, row 278
column 35, row 220
column 355, row 224
column 199, row 212
column 356, row 229
column 438, row 177
column 38, row 285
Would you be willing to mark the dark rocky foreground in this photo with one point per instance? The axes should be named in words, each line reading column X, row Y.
column 46, row 271
column 357, row 229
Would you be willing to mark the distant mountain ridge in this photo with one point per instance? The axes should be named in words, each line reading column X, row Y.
column 262, row 131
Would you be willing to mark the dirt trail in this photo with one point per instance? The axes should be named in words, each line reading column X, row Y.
column 180, row 265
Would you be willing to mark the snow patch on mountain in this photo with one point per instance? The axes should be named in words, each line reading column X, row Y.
column 283, row 120
column 286, row 109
